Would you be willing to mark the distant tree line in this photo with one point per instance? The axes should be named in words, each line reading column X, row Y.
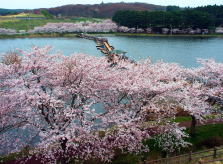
column 215, row 11
column 173, row 17
column 10, row 11
column 46, row 14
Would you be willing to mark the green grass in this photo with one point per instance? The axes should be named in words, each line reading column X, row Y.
column 188, row 118
column 127, row 159
column 14, row 156
column 174, row 35
column 28, row 24
column 182, row 119
column 86, row 19
column 23, row 15
column 51, row 35
column 206, row 132
column 159, row 35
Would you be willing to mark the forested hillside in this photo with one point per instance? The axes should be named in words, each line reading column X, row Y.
column 10, row 11
column 102, row 10
column 201, row 17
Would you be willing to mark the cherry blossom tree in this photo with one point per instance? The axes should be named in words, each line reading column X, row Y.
column 4, row 31
column 104, row 26
column 79, row 107
column 208, row 78
column 93, row 27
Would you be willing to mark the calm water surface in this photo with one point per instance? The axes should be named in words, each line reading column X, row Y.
column 183, row 50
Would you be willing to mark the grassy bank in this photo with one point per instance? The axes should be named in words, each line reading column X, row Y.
column 159, row 35
column 28, row 24
column 49, row 35
column 207, row 136
column 104, row 35
column 22, row 15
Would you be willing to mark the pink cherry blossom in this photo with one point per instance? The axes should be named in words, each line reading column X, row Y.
column 79, row 107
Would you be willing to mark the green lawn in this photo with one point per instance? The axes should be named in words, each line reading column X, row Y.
column 85, row 19
column 182, row 119
column 22, row 15
column 204, row 134
column 28, row 24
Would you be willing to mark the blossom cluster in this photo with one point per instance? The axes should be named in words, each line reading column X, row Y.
column 80, row 107
column 4, row 31
column 104, row 26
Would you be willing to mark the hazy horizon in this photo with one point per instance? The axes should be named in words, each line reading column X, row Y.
column 27, row 4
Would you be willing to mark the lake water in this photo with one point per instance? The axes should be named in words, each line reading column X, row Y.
column 183, row 50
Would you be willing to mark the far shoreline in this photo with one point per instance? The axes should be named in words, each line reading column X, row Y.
column 55, row 35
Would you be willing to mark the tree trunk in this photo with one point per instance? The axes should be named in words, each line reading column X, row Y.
column 64, row 147
column 193, row 126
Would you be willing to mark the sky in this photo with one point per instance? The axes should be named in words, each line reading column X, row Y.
column 32, row 4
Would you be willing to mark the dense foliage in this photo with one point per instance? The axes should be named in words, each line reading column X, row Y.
column 46, row 14
column 215, row 11
column 202, row 17
column 10, row 11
